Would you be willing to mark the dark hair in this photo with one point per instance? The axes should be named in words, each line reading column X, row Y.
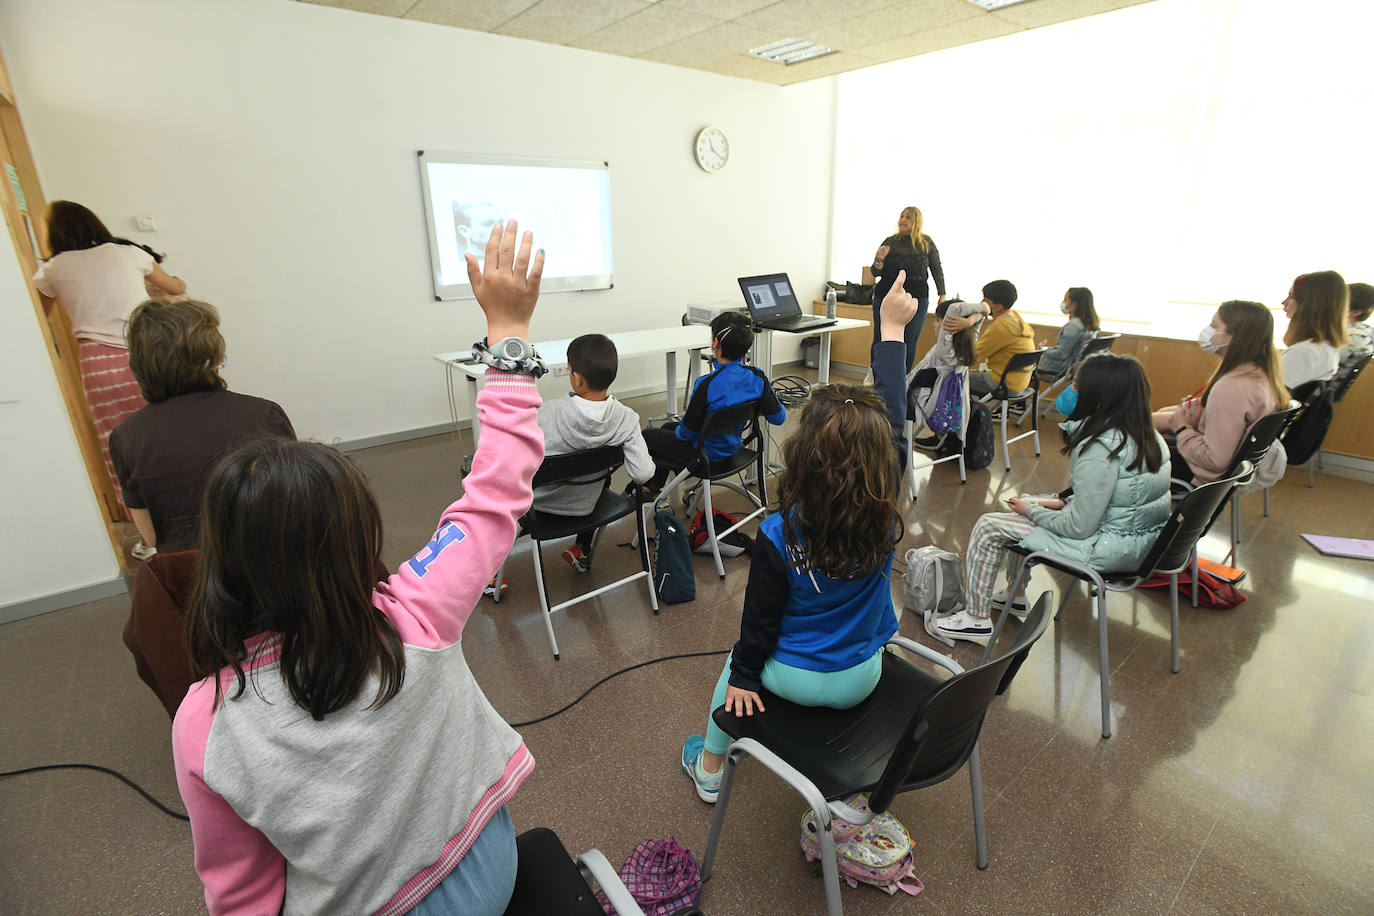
column 594, row 357
column 1361, row 300
column 72, row 227
column 962, row 341
column 735, row 332
column 1082, row 299
column 1323, row 309
column 838, row 490
column 1003, row 292
column 1251, row 327
column 291, row 539
column 1114, row 394
column 175, row 348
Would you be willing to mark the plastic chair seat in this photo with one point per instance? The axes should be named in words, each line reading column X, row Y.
column 725, row 467
column 842, row 751
column 547, row 880
column 545, row 526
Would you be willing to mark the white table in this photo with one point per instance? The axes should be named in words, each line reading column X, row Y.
column 763, row 345
column 667, row 341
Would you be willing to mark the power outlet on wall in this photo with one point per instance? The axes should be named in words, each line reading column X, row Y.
column 560, row 371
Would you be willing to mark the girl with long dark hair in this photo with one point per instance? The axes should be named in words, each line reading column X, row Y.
column 818, row 607
column 1317, row 307
column 99, row 280
column 339, row 756
column 1074, row 335
column 1119, row 477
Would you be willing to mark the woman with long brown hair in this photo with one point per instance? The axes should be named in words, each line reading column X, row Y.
column 1207, row 430
column 911, row 253
column 99, row 279
column 1316, row 306
column 818, row 607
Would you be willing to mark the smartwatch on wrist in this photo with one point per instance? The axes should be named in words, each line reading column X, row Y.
column 510, row 354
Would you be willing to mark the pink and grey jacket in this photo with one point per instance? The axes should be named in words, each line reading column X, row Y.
column 369, row 809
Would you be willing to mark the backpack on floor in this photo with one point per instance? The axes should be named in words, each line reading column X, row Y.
column 673, row 577
column 878, row 853
column 934, row 586
column 978, row 437
column 1212, row 591
column 662, row 876
column 732, row 545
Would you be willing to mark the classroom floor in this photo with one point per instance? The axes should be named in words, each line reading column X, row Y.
column 1239, row 785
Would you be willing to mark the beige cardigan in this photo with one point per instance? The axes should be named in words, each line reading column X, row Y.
column 1238, row 399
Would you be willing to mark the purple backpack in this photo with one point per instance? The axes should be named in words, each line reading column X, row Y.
column 662, row 876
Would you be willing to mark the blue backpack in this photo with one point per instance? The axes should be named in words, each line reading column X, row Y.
column 673, row 577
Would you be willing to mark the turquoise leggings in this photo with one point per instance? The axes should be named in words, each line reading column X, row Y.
column 835, row 689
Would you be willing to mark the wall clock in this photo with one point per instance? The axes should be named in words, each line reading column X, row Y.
column 712, row 149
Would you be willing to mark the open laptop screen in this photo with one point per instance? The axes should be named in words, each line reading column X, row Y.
column 769, row 296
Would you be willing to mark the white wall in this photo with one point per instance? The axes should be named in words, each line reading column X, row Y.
column 1168, row 156
column 52, row 538
column 275, row 144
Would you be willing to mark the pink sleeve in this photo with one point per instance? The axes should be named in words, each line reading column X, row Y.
column 242, row 872
column 434, row 592
column 1225, row 419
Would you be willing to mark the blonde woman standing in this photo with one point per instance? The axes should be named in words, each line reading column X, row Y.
column 910, row 250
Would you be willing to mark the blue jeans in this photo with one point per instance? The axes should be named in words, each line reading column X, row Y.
column 484, row 880
column 834, row 689
column 909, row 335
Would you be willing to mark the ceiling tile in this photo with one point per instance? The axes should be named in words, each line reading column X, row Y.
column 720, row 9
column 947, row 36
column 792, row 17
column 380, row 7
column 712, row 44
column 648, row 29
column 480, row 15
column 743, row 65
column 901, row 19
column 564, row 21
column 1045, row 12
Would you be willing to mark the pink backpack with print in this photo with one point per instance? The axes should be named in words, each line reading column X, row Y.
column 878, row 853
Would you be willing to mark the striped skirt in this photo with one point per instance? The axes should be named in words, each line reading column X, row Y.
column 111, row 393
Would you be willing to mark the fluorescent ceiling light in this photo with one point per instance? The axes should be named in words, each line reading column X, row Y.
column 991, row 5
column 790, row 51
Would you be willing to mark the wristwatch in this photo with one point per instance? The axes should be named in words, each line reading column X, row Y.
column 510, row 354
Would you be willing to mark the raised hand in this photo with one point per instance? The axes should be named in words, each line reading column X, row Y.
column 506, row 284
column 898, row 308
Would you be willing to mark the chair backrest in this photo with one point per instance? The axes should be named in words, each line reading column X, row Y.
column 1341, row 384
column 1192, row 517
column 1020, row 362
column 1261, row 435
column 1100, row 344
column 739, row 418
column 580, row 467
column 943, row 731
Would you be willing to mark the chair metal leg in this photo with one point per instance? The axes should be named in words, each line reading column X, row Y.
column 711, row 528
column 727, row 782
column 543, row 596
column 980, row 831
column 1102, row 662
column 1319, row 457
column 644, row 561
column 1195, row 576
column 963, row 473
column 1035, row 423
column 1173, row 623
column 496, row 598
column 1235, row 522
column 1311, row 473
column 1006, row 452
column 1266, row 502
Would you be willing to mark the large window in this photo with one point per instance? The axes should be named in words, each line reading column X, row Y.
column 1169, row 156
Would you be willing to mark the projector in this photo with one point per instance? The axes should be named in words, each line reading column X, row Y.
column 706, row 313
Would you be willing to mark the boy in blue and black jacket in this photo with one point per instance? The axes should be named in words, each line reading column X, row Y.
column 730, row 382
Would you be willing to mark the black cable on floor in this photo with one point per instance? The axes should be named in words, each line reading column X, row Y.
column 615, row 674
column 99, row 769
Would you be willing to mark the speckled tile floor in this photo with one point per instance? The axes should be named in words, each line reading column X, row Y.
column 1239, row 785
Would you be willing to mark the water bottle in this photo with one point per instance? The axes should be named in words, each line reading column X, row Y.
column 830, row 302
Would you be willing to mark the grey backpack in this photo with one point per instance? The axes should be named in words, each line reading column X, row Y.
column 934, row 585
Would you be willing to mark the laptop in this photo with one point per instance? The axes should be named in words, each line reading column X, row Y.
column 773, row 305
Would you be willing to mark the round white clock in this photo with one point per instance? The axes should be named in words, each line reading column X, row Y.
column 712, row 149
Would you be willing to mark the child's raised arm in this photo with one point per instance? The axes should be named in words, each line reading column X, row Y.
column 889, row 359
column 432, row 595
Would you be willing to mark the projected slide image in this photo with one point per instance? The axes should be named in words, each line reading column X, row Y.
column 566, row 207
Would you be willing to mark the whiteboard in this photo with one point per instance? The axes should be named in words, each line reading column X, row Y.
column 565, row 203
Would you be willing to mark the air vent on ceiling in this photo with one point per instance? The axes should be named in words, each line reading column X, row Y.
column 790, row 51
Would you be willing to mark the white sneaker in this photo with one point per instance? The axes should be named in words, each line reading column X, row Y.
column 1019, row 607
column 963, row 625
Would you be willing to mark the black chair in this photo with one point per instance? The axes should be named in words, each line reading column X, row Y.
column 549, row 883
column 1021, row 362
column 743, row 418
column 1253, row 448
column 1173, row 551
column 586, row 467
column 1339, row 386
column 915, row 729
column 1100, row 343
column 915, row 422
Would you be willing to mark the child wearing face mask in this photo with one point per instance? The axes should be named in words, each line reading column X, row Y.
column 1073, row 336
column 1203, row 432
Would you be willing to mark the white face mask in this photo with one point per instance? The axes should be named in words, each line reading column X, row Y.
column 1206, row 339
column 1064, row 307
